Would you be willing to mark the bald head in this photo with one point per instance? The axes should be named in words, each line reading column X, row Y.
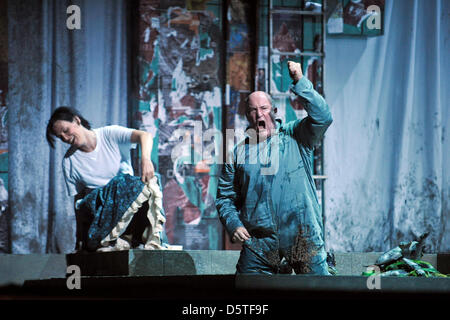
column 258, row 94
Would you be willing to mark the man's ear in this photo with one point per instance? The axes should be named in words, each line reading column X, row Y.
column 275, row 110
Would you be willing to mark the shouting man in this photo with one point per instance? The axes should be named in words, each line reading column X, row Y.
column 266, row 196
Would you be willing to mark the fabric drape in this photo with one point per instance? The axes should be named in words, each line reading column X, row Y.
column 49, row 66
column 387, row 152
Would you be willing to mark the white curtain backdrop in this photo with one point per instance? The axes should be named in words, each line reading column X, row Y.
column 387, row 151
column 49, row 66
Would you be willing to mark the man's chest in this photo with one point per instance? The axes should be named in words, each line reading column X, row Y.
column 267, row 160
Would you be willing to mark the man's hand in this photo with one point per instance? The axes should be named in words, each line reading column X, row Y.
column 295, row 71
column 240, row 235
column 148, row 171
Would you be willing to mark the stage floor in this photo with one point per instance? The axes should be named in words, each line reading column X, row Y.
column 230, row 288
column 200, row 275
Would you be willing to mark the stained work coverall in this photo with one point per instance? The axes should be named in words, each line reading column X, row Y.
column 268, row 188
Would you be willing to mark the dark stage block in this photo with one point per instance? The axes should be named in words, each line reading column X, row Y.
column 343, row 284
column 155, row 262
column 242, row 288
column 443, row 263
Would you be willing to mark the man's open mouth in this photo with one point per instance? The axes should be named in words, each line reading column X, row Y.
column 261, row 124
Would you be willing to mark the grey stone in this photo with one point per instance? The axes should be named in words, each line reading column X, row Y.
column 145, row 262
column 343, row 263
column 178, row 263
column 202, row 261
column 361, row 260
column 16, row 268
column 224, row 262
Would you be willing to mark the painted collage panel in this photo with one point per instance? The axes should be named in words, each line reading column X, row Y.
column 180, row 103
column 355, row 17
column 4, row 238
column 240, row 63
column 241, row 26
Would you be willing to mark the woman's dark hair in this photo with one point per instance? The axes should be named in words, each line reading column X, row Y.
column 66, row 114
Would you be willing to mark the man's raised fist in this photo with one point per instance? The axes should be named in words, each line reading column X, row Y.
column 295, row 70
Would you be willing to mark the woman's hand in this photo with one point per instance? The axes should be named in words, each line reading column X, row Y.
column 145, row 140
column 147, row 170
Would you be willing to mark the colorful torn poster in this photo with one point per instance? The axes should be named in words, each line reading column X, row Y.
column 355, row 17
column 4, row 232
column 180, row 103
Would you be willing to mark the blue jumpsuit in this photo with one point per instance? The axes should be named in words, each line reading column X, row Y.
column 268, row 188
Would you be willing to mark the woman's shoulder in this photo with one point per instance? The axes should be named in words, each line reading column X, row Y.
column 113, row 128
column 114, row 133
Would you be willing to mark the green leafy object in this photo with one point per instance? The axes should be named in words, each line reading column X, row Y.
column 397, row 265
column 368, row 274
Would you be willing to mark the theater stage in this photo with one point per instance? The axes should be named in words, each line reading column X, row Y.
column 197, row 275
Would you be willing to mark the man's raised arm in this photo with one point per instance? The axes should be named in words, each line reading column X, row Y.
column 311, row 129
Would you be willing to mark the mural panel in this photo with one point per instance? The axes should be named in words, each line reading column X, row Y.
column 4, row 235
column 180, row 104
column 357, row 18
